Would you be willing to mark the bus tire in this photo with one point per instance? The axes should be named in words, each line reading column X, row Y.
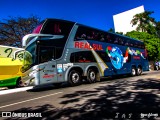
column 139, row 71
column 18, row 83
column 133, row 71
column 74, row 78
column 91, row 76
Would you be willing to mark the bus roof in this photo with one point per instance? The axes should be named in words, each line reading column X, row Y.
column 50, row 19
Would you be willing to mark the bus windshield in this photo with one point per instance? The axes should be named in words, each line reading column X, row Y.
column 43, row 50
column 29, row 57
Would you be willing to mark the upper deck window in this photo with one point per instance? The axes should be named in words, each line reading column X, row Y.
column 57, row 27
column 88, row 33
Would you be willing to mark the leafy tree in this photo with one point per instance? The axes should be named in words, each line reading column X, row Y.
column 158, row 28
column 121, row 33
column 148, row 30
column 151, row 43
column 111, row 30
column 140, row 35
column 144, row 22
column 13, row 29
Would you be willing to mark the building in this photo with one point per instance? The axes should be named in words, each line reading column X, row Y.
column 122, row 21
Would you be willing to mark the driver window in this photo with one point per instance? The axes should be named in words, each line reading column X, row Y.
column 46, row 53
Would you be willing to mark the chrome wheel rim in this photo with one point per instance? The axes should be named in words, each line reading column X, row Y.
column 133, row 71
column 139, row 71
column 75, row 77
column 92, row 76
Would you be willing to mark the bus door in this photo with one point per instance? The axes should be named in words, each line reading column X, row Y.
column 60, row 66
column 47, row 64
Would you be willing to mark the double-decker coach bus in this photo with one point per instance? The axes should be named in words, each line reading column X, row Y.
column 60, row 51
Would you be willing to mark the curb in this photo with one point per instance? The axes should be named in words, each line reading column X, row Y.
column 15, row 90
column 3, row 88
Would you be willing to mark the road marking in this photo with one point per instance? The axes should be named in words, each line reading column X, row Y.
column 15, row 90
column 29, row 100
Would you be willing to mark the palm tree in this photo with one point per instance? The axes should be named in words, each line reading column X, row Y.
column 144, row 22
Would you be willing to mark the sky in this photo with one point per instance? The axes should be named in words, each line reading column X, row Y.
column 95, row 13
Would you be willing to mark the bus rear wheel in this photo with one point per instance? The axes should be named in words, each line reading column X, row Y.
column 133, row 71
column 91, row 76
column 74, row 78
column 139, row 71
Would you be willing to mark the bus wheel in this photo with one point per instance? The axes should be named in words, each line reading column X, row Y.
column 133, row 71
column 74, row 78
column 139, row 71
column 18, row 83
column 91, row 76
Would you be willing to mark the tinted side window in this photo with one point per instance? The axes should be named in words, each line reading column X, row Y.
column 46, row 53
column 83, row 56
column 87, row 33
column 58, row 52
column 103, row 56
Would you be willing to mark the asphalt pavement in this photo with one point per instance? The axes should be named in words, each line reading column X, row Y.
column 125, row 97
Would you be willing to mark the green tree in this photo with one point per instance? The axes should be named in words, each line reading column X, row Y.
column 144, row 22
column 148, row 30
column 13, row 29
column 111, row 30
column 151, row 43
column 121, row 33
column 158, row 28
